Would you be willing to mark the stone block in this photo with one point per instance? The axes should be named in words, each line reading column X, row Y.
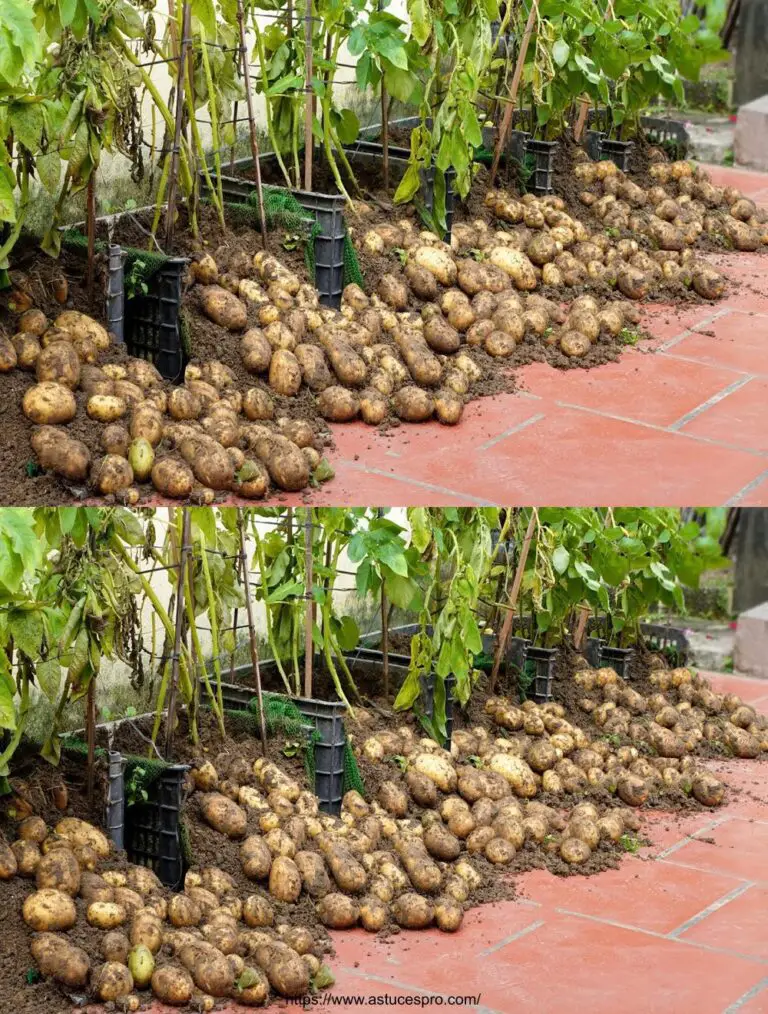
column 750, row 651
column 750, row 139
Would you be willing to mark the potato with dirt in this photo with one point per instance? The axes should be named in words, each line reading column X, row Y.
column 288, row 975
column 284, row 461
column 441, row 336
column 284, row 879
column 422, row 282
column 57, row 452
column 57, row 958
column 49, row 404
column 111, row 474
column 348, row 873
column 337, row 404
column 223, row 814
column 413, row 404
column 412, row 911
column 314, row 874
column 80, row 326
column 105, row 408
column 314, row 366
column 422, row 364
column 223, row 308
column 437, row 262
column 49, row 910
column 516, row 265
column 348, row 366
column 337, row 911
column 393, row 291
column 172, row 478
column 285, row 373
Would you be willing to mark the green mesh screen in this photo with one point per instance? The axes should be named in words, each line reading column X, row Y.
column 352, row 777
column 352, row 273
column 283, row 211
column 140, row 772
column 283, row 718
column 138, row 265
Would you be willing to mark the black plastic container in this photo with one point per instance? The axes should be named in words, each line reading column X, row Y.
column 617, row 152
column 516, row 650
column 328, row 212
column 668, row 134
column 544, row 153
column 115, row 294
column 594, row 651
column 428, row 702
column 593, row 143
column 540, row 690
column 153, row 829
column 618, row 659
column 515, row 146
column 153, row 321
column 669, row 641
column 327, row 717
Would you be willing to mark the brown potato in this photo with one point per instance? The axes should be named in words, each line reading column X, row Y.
column 49, row 910
column 184, row 404
column 412, row 911
column 110, row 474
column 284, row 879
column 27, row 351
column 59, row 959
column 393, row 291
column 348, row 366
column 57, row 452
column 422, row 282
column 172, row 478
column 223, row 308
column 314, row 367
column 49, row 404
column 337, row 404
column 223, row 814
column 337, row 911
column 574, row 344
column 448, row 407
column 79, row 325
column 412, row 404
column 285, row 373
column 105, row 408
column 59, row 870
column 441, row 336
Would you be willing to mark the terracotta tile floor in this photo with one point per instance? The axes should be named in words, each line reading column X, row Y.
column 680, row 419
column 680, row 927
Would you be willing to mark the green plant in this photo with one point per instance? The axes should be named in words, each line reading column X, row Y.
column 134, row 279
column 135, row 791
column 630, row 843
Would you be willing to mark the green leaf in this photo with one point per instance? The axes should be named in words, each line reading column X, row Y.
column 27, row 123
column 205, row 12
column 7, row 711
column 347, row 126
column 409, row 185
column 420, row 14
column 420, row 529
column 7, row 202
column 393, row 50
column 67, row 11
column 284, row 84
column 27, row 629
column 324, row 471
column 560, row 559
column 560, row 52
column 399, row 83
column 48, row 675
column 348, row 634
column 401, row 591
column 287, row 590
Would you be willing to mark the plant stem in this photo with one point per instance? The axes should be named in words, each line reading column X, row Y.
column 267, row 107
column 214, row 621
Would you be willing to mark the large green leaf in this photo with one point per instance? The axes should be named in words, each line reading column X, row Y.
column 48, row 675
column 7, row 202
column 7, row 711
column 419, row 13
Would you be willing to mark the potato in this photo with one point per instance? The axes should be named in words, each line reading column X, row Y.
column 57, row 452
column 172, row 478
column 423, row 366
column 632, row 790
column 285, row 373
column 79, row 325
column 8, row 862
column 708, row 283
column 223, row 814
column 393, row 291
column 423, row 873
column 223, row 308
column 27, row 855
column 632, row 282
column 337, row 911
column 516, row 772
column 516, row 265
column 441, row 844
column 314, row 875
column 422, row 282
column 345, row 869
column 439, row 263
column 412, row 404
column 574, row 851
column 708, row 790
column 284, row 879
column 59, row 870
column 287, row 973
column 49, row 910
column 105, row 915
column 422, row 789
column 314, row 367
column 9, row 356
column 61, row 960
column 437, row 769
column 49, row 404
column 110, row 474
column 412, row 911
column 184, row 911
column 172, row 985
column 574, row 344
column 337, row 404
column 255, row 857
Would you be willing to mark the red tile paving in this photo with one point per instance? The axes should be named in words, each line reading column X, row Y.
column 680, row 419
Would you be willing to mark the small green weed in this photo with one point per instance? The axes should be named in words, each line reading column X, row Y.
column 629, row 843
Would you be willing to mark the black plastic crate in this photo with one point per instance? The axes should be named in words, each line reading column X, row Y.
column 593, row 143
column 618, row 659
column 514, row 146
column 544, row 153
column 428, row 702
column 153, row 329
column 668, row 134
column 617, row 152
column 540, row 690
column 327, row 717
column 594, row 651
column 153, row 828
column 328, row 212
column 516, row 649
column 669, row 641
column 115, row 293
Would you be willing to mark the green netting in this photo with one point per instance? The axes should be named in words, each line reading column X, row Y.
column 283, row 211
column 140, row 772
column 283, row 718
column 138, row 265
column 352, row 777
column 352, row 273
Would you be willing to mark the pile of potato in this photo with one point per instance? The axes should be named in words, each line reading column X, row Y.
column 671, row 723
column 190, row 441
column 189, row 949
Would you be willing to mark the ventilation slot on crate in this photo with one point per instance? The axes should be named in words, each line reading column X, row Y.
column 540, row 666
column 617, row 659
column 153, row 829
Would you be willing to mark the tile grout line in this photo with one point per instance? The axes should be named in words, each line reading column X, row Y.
column 690, row 837
column 662, row 429
column 355, row 466
column 511, row 939
column 745, row 490
column 752, row 958
column 719, row 873
column 710, row 402
column 677, row 358
column 746, row 997
column 736, row 892
column 512, row 432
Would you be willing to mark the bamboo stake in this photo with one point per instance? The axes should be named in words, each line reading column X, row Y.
column 170, row 214
column 308, row 110
column 91, row 228
column 506, row 120
column 582, row 119
column 384, row 134
column 581, row 626
column 186, row 529
column 252, row 630
column 309, row 620
column 91, row 736
column 252, row 129
column 517, row 581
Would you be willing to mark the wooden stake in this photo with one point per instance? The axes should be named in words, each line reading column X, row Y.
column 252, row 127
column 234, row 140
column 186, row 529
column 582, row 119
column 385, row 642
column 506, row 627
column 91, row 734
column 309, row 621
column 581, row 627
column 170, row 214
column 309, row 95
column 252, row 630
column 91, row 229
column 506, row 120
column 384, row 126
